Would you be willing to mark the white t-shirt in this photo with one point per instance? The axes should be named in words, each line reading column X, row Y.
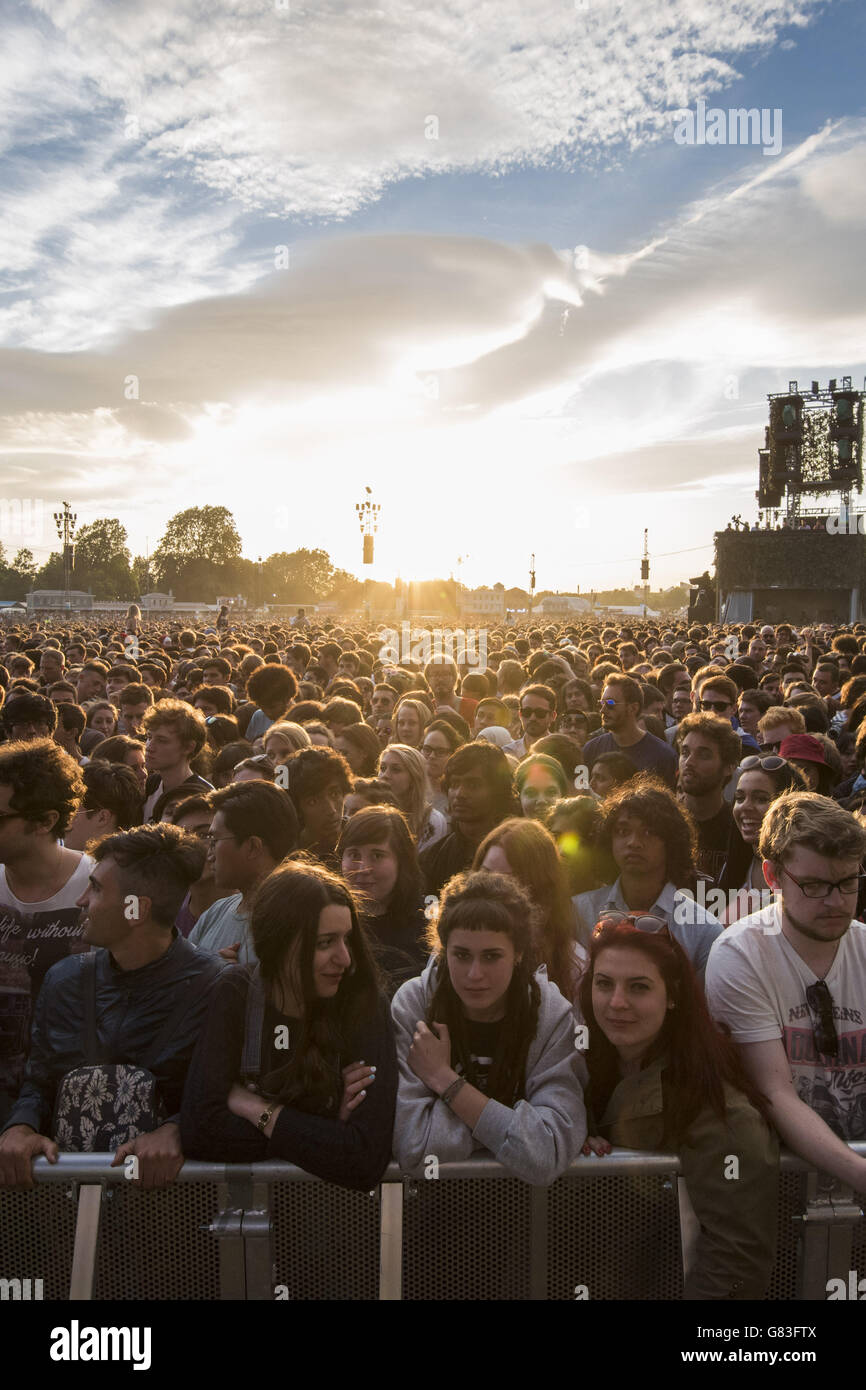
column 756, row 984
column 33, row 936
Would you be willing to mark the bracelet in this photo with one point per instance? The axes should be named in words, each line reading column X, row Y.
column 265, row 1116
column 449, row 1094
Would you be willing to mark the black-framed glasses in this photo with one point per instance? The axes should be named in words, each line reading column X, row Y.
column 715, row 706
column 430, row 752
column 820, row 1002
column 816, row 888
column 772, row 763
column 534, row 711
column 642, row 921
column 212, row 840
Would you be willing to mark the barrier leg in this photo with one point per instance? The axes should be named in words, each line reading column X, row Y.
column 227, row 1226
column 827, row 1234
column 257, row 1232
column 391, row 1241
column 83, row 1271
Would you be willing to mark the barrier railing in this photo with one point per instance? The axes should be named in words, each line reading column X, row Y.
column 610, row 1228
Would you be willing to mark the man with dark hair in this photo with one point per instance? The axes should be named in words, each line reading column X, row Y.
column 40, row 884
column 118, row 678
column 318, row 780
column 718, row 695
column 441, row 675
column 537, row 717
column 91, row 682
column 140, row 975
column 480, row 790
column 71, row 723
column 254, row 827
column 213, row 699
column 215, row 670
column 175, row 734
column 709, row 755
column 621, row 705
column 134, row 701
column 112, row 801
column 27, row 717
column 63, row 693
column 382, row 702
column 273, row 688
column 652, row 841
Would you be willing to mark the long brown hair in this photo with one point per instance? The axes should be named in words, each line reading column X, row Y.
column 531, row 851
column 700, row 1057
column 481, row 901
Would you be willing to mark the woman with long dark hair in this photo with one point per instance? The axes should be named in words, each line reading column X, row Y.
column 486, row 1047
column 527, row 850
column 662, row 1076
column 296, row 1059
column 379, row 861
column 760, row 780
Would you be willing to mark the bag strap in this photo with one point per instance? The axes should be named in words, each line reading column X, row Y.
column 254, row 1016
column 89, row 1039
column 188, row 997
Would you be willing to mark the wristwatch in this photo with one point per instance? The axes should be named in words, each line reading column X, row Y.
column 264, row 1118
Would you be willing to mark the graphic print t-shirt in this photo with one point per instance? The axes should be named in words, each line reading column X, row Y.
column 33, row 936
column 756, row 983
column 483, row 1039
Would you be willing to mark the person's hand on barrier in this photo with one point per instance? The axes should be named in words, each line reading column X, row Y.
column 159, row 1157
column 356, row 1077
column 18, row 1147
column 430, row 1054
column 594, row 1144
column 230, row 953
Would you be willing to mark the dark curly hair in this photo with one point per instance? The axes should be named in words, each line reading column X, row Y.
column 43, row 779
column 656, row 807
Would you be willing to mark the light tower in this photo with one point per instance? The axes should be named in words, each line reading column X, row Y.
column 65, row 523
column 368, row 519
column 644, row 572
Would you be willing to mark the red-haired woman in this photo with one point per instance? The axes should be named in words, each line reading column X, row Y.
column 661, row 1075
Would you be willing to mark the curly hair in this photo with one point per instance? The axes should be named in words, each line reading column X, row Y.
column 656, row 807
column 43, row 779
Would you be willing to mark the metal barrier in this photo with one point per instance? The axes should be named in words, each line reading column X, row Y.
column 608, row 1229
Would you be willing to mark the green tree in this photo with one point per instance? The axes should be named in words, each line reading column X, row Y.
column 102, row 560
column 199, row 533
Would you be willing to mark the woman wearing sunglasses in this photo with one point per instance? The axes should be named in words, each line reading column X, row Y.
column 760, row 780
column 661, row 1077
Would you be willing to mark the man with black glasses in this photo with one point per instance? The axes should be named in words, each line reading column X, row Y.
column 537, row 716
column 621, row 705
column 790, row 983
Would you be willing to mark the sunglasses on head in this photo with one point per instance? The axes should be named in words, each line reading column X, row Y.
column 771, row 763
column 641, row 921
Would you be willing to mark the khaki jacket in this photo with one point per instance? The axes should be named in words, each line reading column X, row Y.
column 737, row 1213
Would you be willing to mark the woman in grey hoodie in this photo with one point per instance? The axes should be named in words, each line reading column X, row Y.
column 487, row 1049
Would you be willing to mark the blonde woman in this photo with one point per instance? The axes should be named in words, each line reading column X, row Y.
column 411, row 717
column 403, row 769
column 284, row 738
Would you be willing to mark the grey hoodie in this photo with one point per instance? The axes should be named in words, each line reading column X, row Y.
column 538, row 1138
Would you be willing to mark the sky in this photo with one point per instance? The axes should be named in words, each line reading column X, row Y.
column 472, row 256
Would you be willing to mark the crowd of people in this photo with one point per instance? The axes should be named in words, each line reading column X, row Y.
column 264, row 895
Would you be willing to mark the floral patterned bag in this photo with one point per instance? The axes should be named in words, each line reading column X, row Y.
column 102, row 1105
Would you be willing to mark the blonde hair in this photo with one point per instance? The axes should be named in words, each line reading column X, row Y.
column 816, row 822
column 417, row 808
column 781, row 714
column 296, row 736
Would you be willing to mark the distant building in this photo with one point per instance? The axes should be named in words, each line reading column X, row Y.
column 482, row 603
column 561, row 605
column 58, row 601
